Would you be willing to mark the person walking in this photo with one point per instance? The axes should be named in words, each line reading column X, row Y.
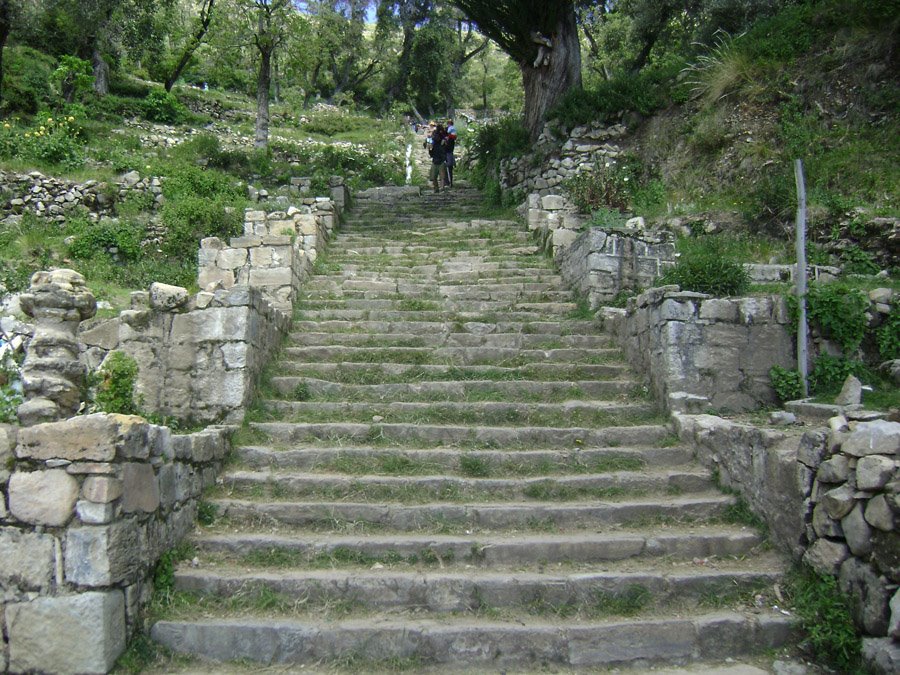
column 438, row 151
column 450, row 144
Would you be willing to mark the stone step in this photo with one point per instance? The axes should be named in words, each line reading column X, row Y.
column 472, row 643
column 490, row 340
column 445, row 518
column 453, row 376
column 441, row 592
column 463, row 435
column 462, row 356
column 411, row 461
column 698, row 542
column 271, row 484
column 578, row 413
column 307, row 388
column 435, row 308
column 434, row 328
column 349, row 286
column 430, row 274
column 353, row 296
column 523, row 315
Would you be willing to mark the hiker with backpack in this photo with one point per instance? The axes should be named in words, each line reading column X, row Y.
column 437, row 149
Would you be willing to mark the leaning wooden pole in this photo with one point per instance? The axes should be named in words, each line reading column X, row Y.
column 802, row 329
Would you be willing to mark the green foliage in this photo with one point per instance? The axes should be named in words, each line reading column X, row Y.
column 838, row 310
column 10, row 397
column 47, row 141
column 621, row 184
column 709, row 267
column 108, row 237
column 207, row 513
column 788, row 384
column 115, row 385
column 73, row 77
column 199, row 203
column 27, row 75
column 163, row 106
column 829, row 372
column 888, row 334
column 856, row 261
column 824, row 616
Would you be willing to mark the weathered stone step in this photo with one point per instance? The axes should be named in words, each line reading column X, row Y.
column 423, row 489
column 432, row 274
column 467, row 435
column 369, row 299
column 447, row 517
column 434, row 328
column 307, row 388
column 436, row 308
column 444, row 591
column 366, row 374
column 480, row 644
column 494, row 340
column 577, row 413
column 698, row 542
column 524, row 315
column 408, row 461
column 463, row 356
column 348, row 286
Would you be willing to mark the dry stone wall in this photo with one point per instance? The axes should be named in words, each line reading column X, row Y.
column 831, row 497
column 717, row 349
column 87, row 507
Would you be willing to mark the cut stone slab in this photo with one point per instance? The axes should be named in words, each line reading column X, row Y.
column 43, row 497
column 82, row 633
column 28, row 559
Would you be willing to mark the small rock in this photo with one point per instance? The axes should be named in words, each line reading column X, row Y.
column 851, row 392
column 782, row 418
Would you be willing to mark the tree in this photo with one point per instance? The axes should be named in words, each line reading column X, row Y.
column 203, row 21
column 7, row 7
column 542, row 37
column 269, row 21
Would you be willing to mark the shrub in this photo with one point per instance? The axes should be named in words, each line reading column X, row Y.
column 829, row 373
column 788, row 384
column 27, row 75
column 888, row 334
column 49, row 140
column 838, row 311
column 825, row 617
column 708, row 267
column 162, row 106
column 115, row 384
column 494, row 142
column 108, row 237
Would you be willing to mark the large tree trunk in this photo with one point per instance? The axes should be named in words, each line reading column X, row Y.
column 262, row 97
column 101, row 73
column 545, row 85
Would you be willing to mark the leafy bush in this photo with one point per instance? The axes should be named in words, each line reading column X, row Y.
column 825, row 617
column 162, row 106
column 708, row 267
column 53, row 141
column 108, row 237
column 115, row 384
column 10, row 394
column 788, row 384
column 838, row 311
column 622, row 184
column 829, row 373
column 856, row 261
column 335, row 121
column 27, row 75
column 888, row 334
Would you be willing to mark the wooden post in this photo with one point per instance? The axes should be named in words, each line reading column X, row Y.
column 802, row 329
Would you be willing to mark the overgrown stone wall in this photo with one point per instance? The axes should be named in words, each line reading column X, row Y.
column 720, row 349
column 87, row 507
column 202, row 355
column 829, row 497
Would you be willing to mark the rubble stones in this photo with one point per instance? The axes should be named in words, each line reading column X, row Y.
column 43, row 497
column 873, row 438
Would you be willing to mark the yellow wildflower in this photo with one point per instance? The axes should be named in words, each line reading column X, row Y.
column 27, row 135
column 71, row 119
column 49, row 120
column 6, row 126
column 42, row 129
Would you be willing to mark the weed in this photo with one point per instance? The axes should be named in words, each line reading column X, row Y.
column 474, row 466
column 629, row 602
column 207, row 513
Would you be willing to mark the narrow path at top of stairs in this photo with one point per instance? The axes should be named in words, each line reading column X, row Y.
column 452, row 467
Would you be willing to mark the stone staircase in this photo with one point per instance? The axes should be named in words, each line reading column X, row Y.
column 451, row 468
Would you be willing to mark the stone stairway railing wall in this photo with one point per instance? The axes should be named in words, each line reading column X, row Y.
column 829, row 497
column 89, row 504
column 93, row 502
column 201, row 356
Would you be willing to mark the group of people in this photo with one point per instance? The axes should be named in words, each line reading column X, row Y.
column 440, row 141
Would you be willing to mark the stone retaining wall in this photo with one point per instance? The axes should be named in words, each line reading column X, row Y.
column 87, row 507
column 829, row 497
column 720, row 349
column 201, row 356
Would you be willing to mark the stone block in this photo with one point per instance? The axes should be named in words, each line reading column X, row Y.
column 87, row 438
column 874, row 471
column 553, row 202
column 881, row 655
column 104, row 334
column 563, row 238
column 28, row 560
column 82, row 633
column 873, row 438
column 836, row 469
column 671, row 310
column 839, row 501
column 92, row 513
column 140, row 489
column 857, row 531
column 826, row 556
column 211, row 277
column 718, row 309
column 43, row 497
column 894, row 627
column 101, row 489
column 868, row 595
column 103, row 555
column 166, row 297
column 879, row 513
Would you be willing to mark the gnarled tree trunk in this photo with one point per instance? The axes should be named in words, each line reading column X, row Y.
column 545, row 85
column 101, row 73
column 263, row 84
